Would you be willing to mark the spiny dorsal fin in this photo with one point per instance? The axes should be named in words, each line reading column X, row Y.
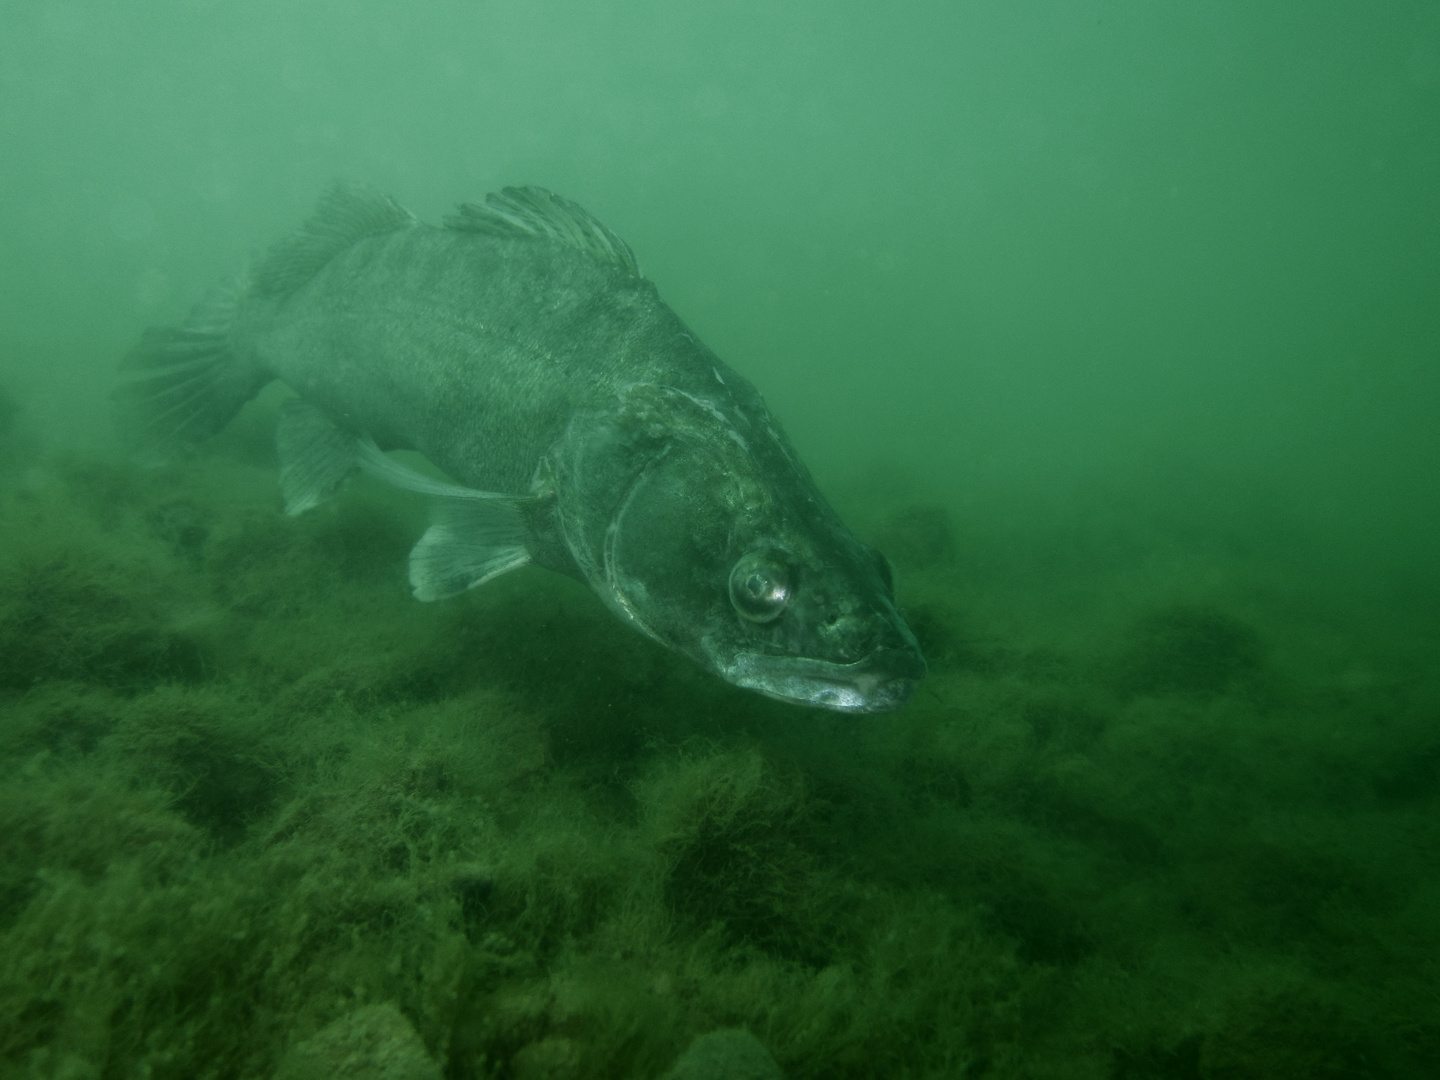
column 346, row 213
column 533, row 211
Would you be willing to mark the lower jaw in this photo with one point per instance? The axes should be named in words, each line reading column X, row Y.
column 860, row 692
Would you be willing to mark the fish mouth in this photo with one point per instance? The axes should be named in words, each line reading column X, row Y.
column 880, row 682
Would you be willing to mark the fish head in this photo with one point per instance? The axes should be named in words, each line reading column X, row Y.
column 718, row 545
column 815, row 625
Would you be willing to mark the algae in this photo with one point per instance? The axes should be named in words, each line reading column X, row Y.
column 263, row 814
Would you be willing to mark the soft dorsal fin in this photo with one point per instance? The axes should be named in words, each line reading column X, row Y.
column 533, row 211
column 346, row 213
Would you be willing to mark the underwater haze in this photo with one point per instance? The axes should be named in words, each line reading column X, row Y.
column 1116, row 326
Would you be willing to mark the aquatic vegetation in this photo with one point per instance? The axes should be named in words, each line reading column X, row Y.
column 261, row 812
column 1190, row 649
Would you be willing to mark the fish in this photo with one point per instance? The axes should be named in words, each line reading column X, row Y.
column 578, row 422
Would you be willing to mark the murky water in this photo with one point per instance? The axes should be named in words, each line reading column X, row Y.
column 1115, row 327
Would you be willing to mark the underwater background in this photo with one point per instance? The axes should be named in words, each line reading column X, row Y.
column 1115, row 325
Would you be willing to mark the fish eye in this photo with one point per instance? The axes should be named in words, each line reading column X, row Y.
column 759, row 587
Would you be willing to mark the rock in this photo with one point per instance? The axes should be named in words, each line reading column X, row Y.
column 553, row 1058
column 728, row 1054
column 375, row 1042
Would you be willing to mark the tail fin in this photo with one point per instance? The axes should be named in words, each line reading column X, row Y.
column 182, row 384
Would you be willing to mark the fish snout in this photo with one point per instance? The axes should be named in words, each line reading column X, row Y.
column 888, row 675
column 879, row 636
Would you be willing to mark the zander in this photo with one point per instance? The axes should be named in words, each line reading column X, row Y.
column 522, row 352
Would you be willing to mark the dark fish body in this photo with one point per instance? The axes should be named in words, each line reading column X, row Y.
column 522, row 352
column 472, row 349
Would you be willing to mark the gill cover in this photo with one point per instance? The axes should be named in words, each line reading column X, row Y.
column 650, row 498
column 667, row 547
column 695, row 526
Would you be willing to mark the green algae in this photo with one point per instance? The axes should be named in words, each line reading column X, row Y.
column 256, row 802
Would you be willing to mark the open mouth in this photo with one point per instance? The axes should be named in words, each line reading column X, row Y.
column 880, row 682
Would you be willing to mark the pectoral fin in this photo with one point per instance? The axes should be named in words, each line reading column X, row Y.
column 473, row 537
column 469, row 542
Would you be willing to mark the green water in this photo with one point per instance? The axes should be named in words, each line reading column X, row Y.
column 1116, row 326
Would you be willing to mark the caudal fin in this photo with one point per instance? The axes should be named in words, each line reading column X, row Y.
column 180, row 385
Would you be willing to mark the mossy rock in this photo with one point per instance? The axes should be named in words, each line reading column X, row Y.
column 729, row 826
column 728, row 1054
column 80, row 617
column 1293, row 1033
column 375, row 1042
column 201, row 747
column 1190, row 649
